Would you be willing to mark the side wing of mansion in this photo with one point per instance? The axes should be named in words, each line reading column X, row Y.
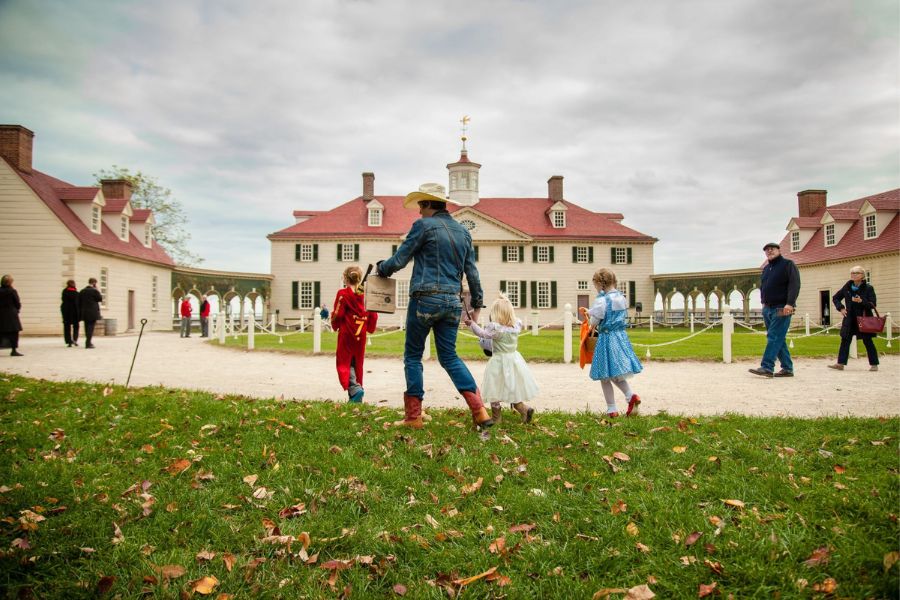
column 541, row 252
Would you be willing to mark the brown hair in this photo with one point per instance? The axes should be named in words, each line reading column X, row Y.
column 352, row 275
column 70, row 283
column 606, row 278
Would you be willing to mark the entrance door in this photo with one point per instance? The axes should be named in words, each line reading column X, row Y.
column 584, row 300
column 130, row 309
column 825, row 307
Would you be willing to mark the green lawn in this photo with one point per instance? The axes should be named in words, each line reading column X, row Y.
column 548, row 345
column 143, row 493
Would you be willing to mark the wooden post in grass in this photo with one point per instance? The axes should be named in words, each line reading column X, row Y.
column 888, row 325
column 567, row 334
column 692, row 322
column 651, row 321
column 854, row 351
column 251, row 326
column 317, row 331
column 727, row 330
column 220, row 328
column 534, row 322
column 273, row 324
column 806, row 322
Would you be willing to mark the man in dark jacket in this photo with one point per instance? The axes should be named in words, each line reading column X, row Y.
column 10, row 325
column 779, row 288
column 89, row 302
column 70, row 313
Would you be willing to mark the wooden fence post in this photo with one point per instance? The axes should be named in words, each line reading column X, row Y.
column 567, row 334
column 727, row 330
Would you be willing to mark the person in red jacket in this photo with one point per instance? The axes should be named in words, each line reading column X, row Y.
column 352, row 322
column 185, row 317
column 204, row 317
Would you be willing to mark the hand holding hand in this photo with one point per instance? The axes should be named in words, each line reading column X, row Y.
column 583, row 311
column 475, row 314
column 467, row 321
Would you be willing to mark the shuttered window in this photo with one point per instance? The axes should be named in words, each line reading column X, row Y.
column 306, row 252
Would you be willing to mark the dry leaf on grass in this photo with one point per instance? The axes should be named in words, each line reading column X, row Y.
column 250, row 479
column 471, row 489
column 524, row 527
column 177, row 466
column 473, row 578
column 171, row 571
column 229, row 560
column 606, row 592
column 118, row 537
column 204, row 585
column 826, row 587
column 705, row 590
column 105, row 584
column 692, row 539
column 819, row 556
column 399, row 589
column 890, row 559
column 291, row 511
column 621, row 456
column 639, row 592
column 734, row 503
column 205, row 555
column 632, row 529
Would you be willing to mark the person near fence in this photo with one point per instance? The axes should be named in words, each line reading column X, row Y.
column 186, row 311
column 89, row 300
column 506, row 377
column 614, row 360
column 779, row 288
column 855, row 299
column 204, row 317
column 441, row 251
column 353, row 323
column 10, row 325
column 71, row 313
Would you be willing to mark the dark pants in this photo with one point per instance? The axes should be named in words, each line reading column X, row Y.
column 10, row 339
column 844, row 350
column 204, row 326
column 70, row 331
column 88, row 332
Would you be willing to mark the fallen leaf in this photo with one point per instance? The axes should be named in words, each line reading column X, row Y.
column 715, row 567
column 826, row 587
column 639, row 592
column 147, row 448
column 171, row 571
column 839, row 469
column 706, row 590
column 229, row 560
column 692, row 539
column 431, row 521
column 57, row 435
column 177, row 466
column 399, row 589
column 819, row 556
column 335, row 449
column 642, row 547
column 632, row 529
column 890, row 559
column 204, row 585
column 105, row 584
column 605, row 592
column 117, row 535
column 679, row 449
column 734, row 503
column 621, row 456
column 291, row 511
column 497, row 545
column 260, row 493
column 21, row 544
column 522, row 527
column 205, row 555
column 250, row 479
column 473, row 578
column 471, row 489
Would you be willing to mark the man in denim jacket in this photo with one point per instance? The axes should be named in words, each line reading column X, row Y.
column 441, row 251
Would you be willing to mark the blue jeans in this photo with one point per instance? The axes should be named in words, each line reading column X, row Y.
column 438, row 313
column 776, row 347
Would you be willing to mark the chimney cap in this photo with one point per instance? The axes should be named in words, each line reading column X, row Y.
column 805, row 192
column 11, row 127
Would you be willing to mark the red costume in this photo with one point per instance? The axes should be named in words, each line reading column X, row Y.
column 186, row 308
column 350, row 319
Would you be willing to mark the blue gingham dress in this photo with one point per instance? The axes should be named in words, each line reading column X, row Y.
column 614, row 358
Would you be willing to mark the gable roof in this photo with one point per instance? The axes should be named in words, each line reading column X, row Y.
column 527, row 215
column 77, row 194
column 49, row 190
column 852, row 244
column 115, row 205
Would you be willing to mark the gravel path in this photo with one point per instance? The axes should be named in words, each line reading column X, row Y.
column 690, row 388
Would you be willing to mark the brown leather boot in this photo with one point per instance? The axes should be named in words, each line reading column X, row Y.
column 496, row 417
column 480, row 415
column 526, row 411
column 412, row 413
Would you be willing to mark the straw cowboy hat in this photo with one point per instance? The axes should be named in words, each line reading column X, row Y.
column 427, row 191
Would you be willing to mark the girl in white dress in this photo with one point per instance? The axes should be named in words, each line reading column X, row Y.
column 506, row 377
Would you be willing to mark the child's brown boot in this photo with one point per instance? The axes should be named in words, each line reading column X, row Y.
column 526, row 411
column 495, row 413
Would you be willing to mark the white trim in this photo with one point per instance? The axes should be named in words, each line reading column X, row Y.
column 874, row 226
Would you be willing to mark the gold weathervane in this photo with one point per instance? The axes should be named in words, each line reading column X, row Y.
column 465, row 122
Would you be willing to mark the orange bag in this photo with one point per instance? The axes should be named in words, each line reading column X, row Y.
column 588, row 342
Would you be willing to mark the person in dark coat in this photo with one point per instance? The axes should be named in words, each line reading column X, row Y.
column 855, row 299
column 10, row 325
column 71, row 314
column 89, row 303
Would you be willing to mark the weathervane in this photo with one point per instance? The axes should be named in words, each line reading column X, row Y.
column 465, row 121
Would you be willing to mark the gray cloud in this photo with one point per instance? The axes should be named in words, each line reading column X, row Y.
column 699, row 120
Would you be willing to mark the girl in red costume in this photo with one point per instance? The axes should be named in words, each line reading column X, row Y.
column 350, row 319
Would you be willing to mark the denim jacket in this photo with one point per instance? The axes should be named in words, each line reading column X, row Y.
column 437, row 267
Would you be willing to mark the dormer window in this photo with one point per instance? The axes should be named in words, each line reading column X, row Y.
column 871, row 229
column 123, row 231
column 95, row 219
column 148, row 234
column 795, row 241
column 374, row 217
column 559, row 219
column 829, row 234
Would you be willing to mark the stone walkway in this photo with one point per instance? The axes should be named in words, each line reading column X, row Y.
column 691, row 388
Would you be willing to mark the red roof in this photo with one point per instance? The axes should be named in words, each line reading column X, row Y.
column 115, row 205
column 808, row 222
column 49, row 188
column 307, row 213
column 852, row 244
column 843, row 214
column 77, row 194
column 525, row 214
column 140, row 215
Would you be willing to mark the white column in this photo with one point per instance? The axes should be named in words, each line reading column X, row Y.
column 302, row 324
column 317, row 331
column 427, row 354
column 273, row 324
column 806, row 322
column 567, row 334
column 233, row 328
column 220, row 327
column 888, row 326
column 727, row 330
column 251, row 326
column 534, row 322
column 651, row 320
column 692, row 321
column 854, row 353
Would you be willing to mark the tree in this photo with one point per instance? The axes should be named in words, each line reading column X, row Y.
column 169, row 230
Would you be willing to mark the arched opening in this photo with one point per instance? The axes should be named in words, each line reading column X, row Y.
column 755, row 303
column 698, row 300
column 675, row 308
column 735, row 302
column 215, row 302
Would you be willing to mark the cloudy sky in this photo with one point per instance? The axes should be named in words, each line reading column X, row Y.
column 699, row 120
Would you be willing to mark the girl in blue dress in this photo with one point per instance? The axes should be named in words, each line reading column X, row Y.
column 614, row 359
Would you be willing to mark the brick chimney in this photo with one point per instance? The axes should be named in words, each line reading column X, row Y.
column 368, row 186
column 555, row 188
column 15, row 146
column 809, row 201
column 116, row 188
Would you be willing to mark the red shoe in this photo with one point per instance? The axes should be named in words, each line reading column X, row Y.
column 613, row 415
column 632, row 404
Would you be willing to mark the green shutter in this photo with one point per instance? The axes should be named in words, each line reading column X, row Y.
column 476, row 253
column 504, row 254
column 574, row 254
column 317, row 295
column 502, row 286
column 315, row 252
column 295, row 295
column 296, row 251
column 523, row 291
column 533, row 294
column 628, row 251
column 551, row 253
column 612, row 256
column 340, row 252
column 533, row 254
column 521, row 254
column 590, row 254
column 631, row 292
column 552, row 294
column 356, row 252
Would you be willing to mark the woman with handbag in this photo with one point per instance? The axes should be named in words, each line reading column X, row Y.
column 856, row 299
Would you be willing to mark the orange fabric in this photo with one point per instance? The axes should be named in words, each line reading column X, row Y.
column 585, row 356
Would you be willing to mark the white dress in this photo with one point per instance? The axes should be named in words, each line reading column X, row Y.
column 506, row 377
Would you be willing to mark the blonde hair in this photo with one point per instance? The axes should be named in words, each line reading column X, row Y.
column 352, row 275
column 606, row 278
column 502, row 311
